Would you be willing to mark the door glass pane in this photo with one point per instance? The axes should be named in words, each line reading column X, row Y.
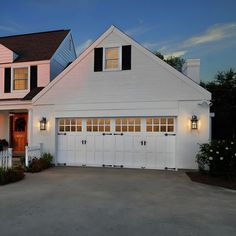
column 62, row 122
column 118, row 128
column 124, row 128
column 79, row 128
column 170, row 128
column 163, row 120
column 163, row 128
column 148, row 121
column 131, row 128
column 107, row 128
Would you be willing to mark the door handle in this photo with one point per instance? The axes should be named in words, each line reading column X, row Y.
column 166, row 134
column 83, row 141
column 141, row 143
column 144, row 143
column 106, row 134
column 118, row 134
column 61, row 133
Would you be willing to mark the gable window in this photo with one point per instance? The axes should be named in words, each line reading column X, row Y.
column 20, row 78
column 112, row 58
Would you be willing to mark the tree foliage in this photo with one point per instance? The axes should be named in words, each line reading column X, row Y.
column 176, row 62
column 223, row 89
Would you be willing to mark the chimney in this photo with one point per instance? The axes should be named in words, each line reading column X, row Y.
column 191, row 68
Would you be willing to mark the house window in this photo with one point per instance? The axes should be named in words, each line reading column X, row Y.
column 128, row 125
column 160, row 124
column 20, row 78
column 98, row 125
column 70, row 125
column 112, row 58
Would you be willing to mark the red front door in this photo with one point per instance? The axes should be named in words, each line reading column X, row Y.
column 19, row 132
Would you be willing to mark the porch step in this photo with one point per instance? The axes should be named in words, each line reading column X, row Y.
column 16, row 162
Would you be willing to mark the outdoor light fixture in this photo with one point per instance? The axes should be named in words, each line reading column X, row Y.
column 194, row 122
column 43, row 123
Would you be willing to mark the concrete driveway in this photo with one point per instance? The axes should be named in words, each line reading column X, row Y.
column 97, row 201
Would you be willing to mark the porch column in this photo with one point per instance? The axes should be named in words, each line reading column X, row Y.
column 30, row 127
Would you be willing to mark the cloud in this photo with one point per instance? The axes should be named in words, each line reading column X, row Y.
column 83, row 46
column 9, row 29
column 215, row 33
column 138, row 30
column 12, row 27
column 176, row 54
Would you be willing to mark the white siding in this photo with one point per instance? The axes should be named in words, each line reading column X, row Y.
column 4, row 127
column 63, row 56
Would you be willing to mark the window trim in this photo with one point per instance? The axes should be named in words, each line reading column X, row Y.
column 12, row 79
column 120, row 58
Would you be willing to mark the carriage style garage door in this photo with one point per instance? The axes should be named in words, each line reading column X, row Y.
column 147, row 142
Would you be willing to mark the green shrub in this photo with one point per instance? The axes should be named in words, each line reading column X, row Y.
column 47, row 158
column 11, row 175
column 37, row 165
column 218, row 157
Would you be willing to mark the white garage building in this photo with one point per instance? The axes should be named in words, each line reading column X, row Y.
column 120, row 105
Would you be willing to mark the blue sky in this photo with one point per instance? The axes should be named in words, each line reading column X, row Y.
column 191, row 29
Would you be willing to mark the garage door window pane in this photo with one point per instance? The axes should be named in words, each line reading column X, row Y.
column 160, row 124
column 170, row 128
column 62, row 128
column 149, row 128
column 70, row 125
column 128, row 125
column 98, row 125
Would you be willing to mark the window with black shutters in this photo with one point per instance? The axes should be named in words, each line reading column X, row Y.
column 112, row 58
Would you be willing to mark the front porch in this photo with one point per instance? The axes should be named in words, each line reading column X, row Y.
column 15, row 130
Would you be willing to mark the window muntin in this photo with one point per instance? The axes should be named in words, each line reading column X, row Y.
column 112, row 58
column 70, row 125
column 20, row 78
column 160, row 124
column 128, row 125
column 98, row 125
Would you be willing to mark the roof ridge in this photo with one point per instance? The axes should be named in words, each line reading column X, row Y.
column 41, row 32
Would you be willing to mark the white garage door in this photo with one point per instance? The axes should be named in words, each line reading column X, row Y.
column 147, row 142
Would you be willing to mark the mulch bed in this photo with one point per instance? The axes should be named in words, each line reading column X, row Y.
column 216, row 181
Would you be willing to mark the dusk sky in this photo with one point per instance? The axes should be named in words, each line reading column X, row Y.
column 191, row 29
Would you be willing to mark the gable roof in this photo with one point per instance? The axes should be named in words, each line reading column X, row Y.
column 206, row 94
column 34, row 46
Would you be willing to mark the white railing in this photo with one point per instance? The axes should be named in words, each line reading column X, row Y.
column 6, row 158
column 33, row 152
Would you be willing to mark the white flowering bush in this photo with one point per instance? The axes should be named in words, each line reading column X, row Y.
column 219, row 157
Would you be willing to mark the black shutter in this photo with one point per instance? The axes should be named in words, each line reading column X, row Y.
column 7, row 80
column 33, row 77
column 98, row 59
column 126, row 57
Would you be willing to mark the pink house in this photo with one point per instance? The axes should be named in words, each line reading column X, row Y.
column 28, row 63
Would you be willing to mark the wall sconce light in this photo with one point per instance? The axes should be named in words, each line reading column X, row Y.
column 43, row 123
column 194, row 122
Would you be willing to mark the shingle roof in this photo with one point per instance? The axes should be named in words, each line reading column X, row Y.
column 34, row 46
